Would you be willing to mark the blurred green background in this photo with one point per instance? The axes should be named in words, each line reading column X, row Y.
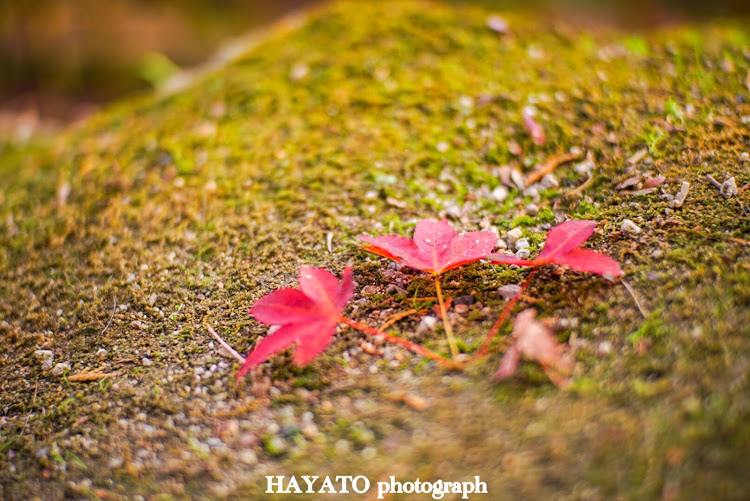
column 61, row 59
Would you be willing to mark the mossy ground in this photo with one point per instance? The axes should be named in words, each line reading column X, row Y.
column 185, row 209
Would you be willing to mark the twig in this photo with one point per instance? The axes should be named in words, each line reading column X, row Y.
column 739, row 241
column 224, row 344
column 627, row 286
column 87, row 375
column 578, row 189
column 446, row 321
column 419, row 350
column 713, row 181
column 395, row 318
column 114, row 306
column 501, row 319
column 549, row 165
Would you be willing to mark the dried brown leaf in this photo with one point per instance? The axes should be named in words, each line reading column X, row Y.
column 637, row 156
column 534, row 341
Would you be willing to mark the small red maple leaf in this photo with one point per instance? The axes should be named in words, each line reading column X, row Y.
column 562, row 247
column 308, row 316
column 435, row 247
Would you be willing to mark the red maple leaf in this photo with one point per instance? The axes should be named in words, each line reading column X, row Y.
column 308, row 316
column 435, row 247
column 562, row 247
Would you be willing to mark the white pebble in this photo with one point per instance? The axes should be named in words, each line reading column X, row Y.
column 508, row 291
column 523, row 254
column 248, row 456
column 46, row 357
column 427, row 324
column 514, row 235
column 499, row 194
column 630, row 227
column 522, row 243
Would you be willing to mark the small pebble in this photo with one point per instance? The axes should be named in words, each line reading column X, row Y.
column 604, row 348
column 101, row 354
column 461, row 309
column 248, row 456
column 523, row 254
column 46, row 358
column 342, row 446
column 147, row 362
column 497, row 24
column 248, row 440
column 275, row 446
column 629, row 227
column 522, row 243
column 302, row 393
column 298, row 71
column 532, row 192
column 152, row 299
column 514, row 234
column 584, row 168
column 518, row 179
column 61, row 368
column 508, row 291
column 427, row 324
column 309, row 430
column 532, row 210
column 369, row 290
column 549, row 181
column 466, row 101
column 467, row 300
column 499, row 194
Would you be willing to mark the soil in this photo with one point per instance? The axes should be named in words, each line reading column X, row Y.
column 122, row 238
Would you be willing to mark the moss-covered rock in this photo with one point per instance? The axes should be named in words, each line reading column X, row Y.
column 122, row 238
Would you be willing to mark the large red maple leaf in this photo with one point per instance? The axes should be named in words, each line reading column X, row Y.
column 308, row 316
column 562, row 247
column 435, row 247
